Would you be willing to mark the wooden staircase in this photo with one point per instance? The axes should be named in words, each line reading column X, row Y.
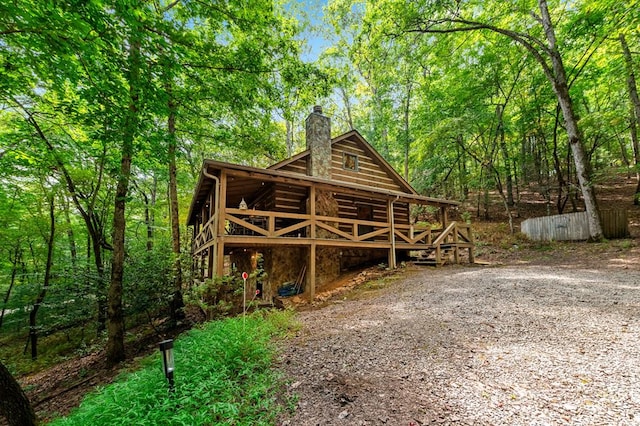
column 428, row 257
column 446, row 248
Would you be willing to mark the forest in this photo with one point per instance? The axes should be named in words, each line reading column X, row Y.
column 108, row 108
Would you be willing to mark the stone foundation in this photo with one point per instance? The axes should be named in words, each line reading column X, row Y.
column 352, row 258
column 282, row 264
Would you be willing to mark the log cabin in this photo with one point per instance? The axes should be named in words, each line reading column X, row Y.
column 337, row 205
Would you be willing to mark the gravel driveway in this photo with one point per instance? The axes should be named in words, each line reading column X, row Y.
column 469, row 345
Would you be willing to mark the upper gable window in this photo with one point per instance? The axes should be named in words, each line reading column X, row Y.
column 349, row 161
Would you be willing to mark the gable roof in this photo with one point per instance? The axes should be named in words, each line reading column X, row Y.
column 356, row 137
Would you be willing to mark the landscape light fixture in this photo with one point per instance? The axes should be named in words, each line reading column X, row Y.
column 166, row 347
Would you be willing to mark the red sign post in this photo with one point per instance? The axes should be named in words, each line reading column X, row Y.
column 244, row 298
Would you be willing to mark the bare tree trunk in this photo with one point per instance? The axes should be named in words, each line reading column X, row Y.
column 462, row 171
column 289, row 136
column 505, row 202
column 115, row 314
column 507, row 167
column 562, row 198
column 176, row 305
column 347, row 104
column 407, row 135
column 73, row 248
column 561, row 88
column 33, row 327
column 636, row 155
column 635, row 111
column 147, row 219
column 17, row 255
column 14, row 404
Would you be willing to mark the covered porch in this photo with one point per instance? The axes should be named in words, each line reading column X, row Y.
column 315, row 220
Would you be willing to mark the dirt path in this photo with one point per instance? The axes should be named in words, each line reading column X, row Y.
column 513, row 345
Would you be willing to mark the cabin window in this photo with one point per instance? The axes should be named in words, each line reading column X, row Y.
column 349, row 161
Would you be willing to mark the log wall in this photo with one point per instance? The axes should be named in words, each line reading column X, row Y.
column 369, row 173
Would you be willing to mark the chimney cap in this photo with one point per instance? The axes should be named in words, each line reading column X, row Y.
column 317, row 109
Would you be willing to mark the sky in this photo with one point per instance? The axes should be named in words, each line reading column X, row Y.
column 312, row 10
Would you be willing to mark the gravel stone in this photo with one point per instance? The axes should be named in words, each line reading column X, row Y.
column 526, row 345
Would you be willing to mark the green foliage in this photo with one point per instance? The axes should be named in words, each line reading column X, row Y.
column 223, row 376
column 148, row 275
column 455, row 138
column 218, row 297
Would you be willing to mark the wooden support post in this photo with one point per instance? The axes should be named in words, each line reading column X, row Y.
column 312, row 211
column 444, row 216
column 312, row 271
column 211, row 258
column 222, row 195
column 212, row 206
column 456, row 254
column 392, row 235
column 312, row 248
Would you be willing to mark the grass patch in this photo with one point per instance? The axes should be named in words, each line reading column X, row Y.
column 223, row 376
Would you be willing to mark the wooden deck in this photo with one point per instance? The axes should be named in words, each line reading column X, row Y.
column 260, row 228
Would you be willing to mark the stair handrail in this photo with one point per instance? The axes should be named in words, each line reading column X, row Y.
column 444, row 234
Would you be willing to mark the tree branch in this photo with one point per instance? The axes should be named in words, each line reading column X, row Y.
column 527, row 41
column 70, row 184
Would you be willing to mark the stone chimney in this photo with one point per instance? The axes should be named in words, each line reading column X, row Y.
column 318, row 132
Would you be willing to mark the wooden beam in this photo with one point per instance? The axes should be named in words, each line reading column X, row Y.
column 253, row 241
column 222, row 195
column 211, row 256
column 445, row 216
column 312, row 211
column 312, row 271
column 392, row 235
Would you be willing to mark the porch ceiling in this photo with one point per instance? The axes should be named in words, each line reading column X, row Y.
column 245, row 181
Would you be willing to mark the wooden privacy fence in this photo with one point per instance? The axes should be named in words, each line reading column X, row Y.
column 574, row 226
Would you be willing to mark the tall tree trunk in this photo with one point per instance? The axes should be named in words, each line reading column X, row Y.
column 149, row 216
column 73, row 248
column 347, row 105
column 636, row 155
column 500, row 136
column 635, row 111
column 505, row 202
column 462, row 168
column 407, row 135
column 561, row 89
column 33, row 326
column 14, row 404
column 561, row 200
column 289, row 141
column 507, row 199
column 115, row 315
column 176, row 306
column 517, row 185
column 15, row 260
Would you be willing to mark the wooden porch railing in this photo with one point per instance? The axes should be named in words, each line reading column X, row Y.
column 253, row 226
column 456, row 236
